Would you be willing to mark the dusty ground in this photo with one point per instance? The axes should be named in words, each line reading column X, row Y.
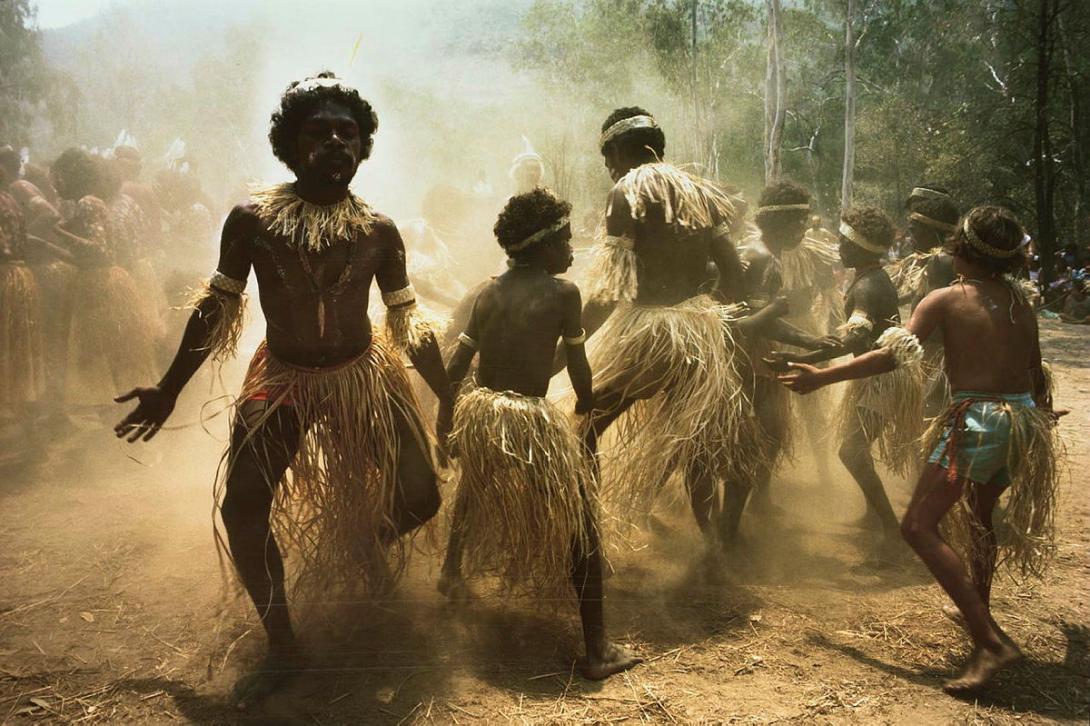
column 110, row 611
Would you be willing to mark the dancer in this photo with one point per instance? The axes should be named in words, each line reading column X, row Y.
column 886, row 409
column 525, row 507
column 324, row 396
column 666, row 357
column 997, row 436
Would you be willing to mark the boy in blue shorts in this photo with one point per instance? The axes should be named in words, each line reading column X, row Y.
column 996, row 436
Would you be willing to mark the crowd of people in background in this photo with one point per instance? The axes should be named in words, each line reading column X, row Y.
column 97, row 252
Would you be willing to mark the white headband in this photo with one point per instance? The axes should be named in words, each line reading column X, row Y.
column 311, row 84
column 783, row 208
column 625, row 125
column 860, row 240
column 538, row 236
column 925, row 193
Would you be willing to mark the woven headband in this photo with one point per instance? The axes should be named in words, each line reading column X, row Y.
column 784, row 208
column 538, row 236
column 925, row 220
column 925, row 193
column 984, row 247
column 625, row 125
column 861, row 241
column 311, row 84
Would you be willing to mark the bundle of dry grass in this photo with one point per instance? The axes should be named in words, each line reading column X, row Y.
column 1034, row 470
column 333, row 511
column 699, row 413
column 228, row 313
column 314, row 226
column 521, row 505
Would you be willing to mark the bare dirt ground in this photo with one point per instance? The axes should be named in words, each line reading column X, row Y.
column 111, row 611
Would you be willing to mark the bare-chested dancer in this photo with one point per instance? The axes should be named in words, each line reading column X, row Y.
column 786, row 261
column 886, row 409
column 525, row 507
column 997, row 435
column 325, row 396
column 666, row 358
column 932, row 218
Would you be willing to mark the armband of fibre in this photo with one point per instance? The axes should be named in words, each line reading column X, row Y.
column 903, row 345
column 225, row 308
column 612, row 276
column 410, row 326
column 857, row 323
column 223, row 283
column 576, row 339
column 467, row 341
column 399, row 297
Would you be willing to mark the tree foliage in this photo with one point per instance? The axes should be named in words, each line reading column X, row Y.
column 23, row 76
column 945, row 91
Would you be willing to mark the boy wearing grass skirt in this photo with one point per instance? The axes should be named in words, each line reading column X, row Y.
column 996, row 436
column 525, row 505
column 885, row 410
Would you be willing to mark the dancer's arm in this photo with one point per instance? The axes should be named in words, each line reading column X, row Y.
column 574, row 337
column 209, row 319
column 805, row 378
column 409, row 327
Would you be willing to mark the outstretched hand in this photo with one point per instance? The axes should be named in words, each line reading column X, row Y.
column 153, row 409
column 803, row 378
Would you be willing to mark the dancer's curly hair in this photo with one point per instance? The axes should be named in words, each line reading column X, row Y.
column 782, row 192
column 526, row 214
column 872, row 223
column 295, row 103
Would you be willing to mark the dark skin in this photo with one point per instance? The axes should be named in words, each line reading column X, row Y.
column 764, row 281
column 985, row 351
column 939, row 273
column 673, row 268
column 517, row 320
column 330, row 149
column 873, row 295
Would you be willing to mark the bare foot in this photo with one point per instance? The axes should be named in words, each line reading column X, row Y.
column 983, row 664
column 270, row 676
column 454, row 587
column 615, row 659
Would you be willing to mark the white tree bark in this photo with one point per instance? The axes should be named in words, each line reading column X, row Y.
column 849, row 107
column 775, row 94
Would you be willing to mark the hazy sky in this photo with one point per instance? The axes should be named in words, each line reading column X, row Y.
column 55, row 13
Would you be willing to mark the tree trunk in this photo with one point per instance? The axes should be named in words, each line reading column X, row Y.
column 1043, row 177
column 849, row 107
column 775, row 93
column 1081, row 204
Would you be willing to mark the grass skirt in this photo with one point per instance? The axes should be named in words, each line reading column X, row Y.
column 111, row 339
column 520, row 501
column 22, row 356
column 896, row 399
column 333, row 512
column 685, row 366
column 1033, row 464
